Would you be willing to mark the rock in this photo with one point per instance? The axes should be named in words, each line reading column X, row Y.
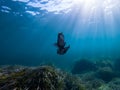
column 90, row 81
column 117, row 65
column 73, row 83
column 94, row 84
column 112, row 85
column 106, row 74
column 83, row 66
column 42, row 78
column 104, row 63
column 115, row 84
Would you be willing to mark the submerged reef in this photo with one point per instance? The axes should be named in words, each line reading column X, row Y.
column 98, row 75
column 104, row 63
column 117, row 65
column 106, row 74
column 85, row 75
column 82, row 66
column 112, row 85
column 39, row 78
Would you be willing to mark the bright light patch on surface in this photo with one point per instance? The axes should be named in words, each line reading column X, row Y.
column 65, row 6
column 89, row 13
column 32, row 13
column 86, row 22
column 21, row 0
column 5, row 7
column 5, row 11
column 86, row 13
column 52, row 5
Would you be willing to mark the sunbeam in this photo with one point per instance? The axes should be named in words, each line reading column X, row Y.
column 94, row 13
column 88, row 24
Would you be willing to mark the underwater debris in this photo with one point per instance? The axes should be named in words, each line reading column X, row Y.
column 83, row 66
column 41, row 78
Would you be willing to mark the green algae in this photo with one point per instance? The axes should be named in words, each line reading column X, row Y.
column 41, row 78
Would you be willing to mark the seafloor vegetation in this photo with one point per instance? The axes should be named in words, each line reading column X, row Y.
column 99, row 74
column 39, row 78
column 85, row 75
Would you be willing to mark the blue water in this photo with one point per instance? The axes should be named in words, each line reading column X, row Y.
column 28, row 32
